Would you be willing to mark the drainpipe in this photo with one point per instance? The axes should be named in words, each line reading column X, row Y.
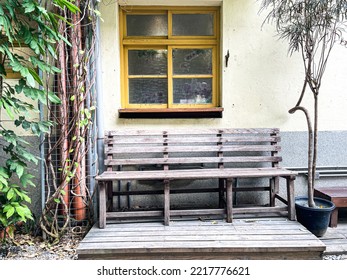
column 99, row 103
column 99, row 114
column 42, row 151
column 42, row 158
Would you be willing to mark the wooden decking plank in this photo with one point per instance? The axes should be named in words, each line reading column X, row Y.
column 247, row 239
column 221, row 246
column 202, row 228
column 273, row 234
column 208, row 223
column 205, row 238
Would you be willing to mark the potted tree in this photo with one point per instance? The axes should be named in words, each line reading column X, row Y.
column 312, row 28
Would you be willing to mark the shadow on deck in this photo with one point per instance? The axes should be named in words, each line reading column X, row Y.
column 244, row 239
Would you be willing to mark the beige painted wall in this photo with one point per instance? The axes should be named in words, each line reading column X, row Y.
column 259, row 86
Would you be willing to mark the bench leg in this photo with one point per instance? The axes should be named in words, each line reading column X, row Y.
column 229, row 198
column 290, row 198
column 274, row 187
column 102, row 205
column 334, row 218
column 167, row 202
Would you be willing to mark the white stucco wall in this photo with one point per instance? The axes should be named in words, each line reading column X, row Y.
column 259, row 86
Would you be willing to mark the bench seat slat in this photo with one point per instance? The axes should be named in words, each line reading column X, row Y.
column 196, row 174
column 189, row 160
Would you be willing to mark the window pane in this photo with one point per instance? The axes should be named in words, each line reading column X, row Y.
column 192, row 61
column 147, row 62
column 147, row 91
column 192, row 25
column 146, row 25
column 192, row 91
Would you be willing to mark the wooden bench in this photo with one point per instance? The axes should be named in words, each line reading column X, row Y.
column 337, row 195
column 204, row 154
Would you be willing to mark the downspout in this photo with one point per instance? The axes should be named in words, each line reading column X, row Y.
column 91, row 100
column 99, row 103
column 99, row 154
column 42, row 150
column 42, row 157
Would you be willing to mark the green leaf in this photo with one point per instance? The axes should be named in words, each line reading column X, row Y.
column 54, row 98
column 29, row 6
column 10, row 194
column 9, row 212
column 8, row 110
column 19, row 170
column 30, row 80
column 35, row 76
column 25, row 180
column 3, row 181
column 3, row 173
column 67, row 4
column 43, row 126
column 56, row 200
column 28, row 156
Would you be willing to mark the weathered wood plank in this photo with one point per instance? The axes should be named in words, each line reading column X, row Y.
column 302, row 255
column 191, row 149
column 194, row 238
column 223, row 246
column 193, row 131
column 195, row 174
column 187, row 160
column 183, row 140
column 252, row 239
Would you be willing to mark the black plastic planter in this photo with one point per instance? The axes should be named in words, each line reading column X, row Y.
column 316, row 220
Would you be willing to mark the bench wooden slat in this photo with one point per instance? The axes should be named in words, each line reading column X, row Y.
column 195, row 174
column 182, row 140
column 130, row 132
column 192, row 149
column 190, row 160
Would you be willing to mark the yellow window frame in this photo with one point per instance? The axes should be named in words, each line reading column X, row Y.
column 169, row 42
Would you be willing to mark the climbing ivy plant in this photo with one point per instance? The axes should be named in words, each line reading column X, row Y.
column 30, row 25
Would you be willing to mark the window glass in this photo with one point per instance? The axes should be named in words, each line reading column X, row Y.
column 147, row 91
column 147, row 62
column 192, row 91
column 146, row 25
column 192, row 61
column 192, row 25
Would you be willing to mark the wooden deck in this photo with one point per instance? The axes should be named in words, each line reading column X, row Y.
column 335, row 240
column 267, row 238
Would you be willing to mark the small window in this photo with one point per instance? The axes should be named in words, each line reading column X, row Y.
column 170, row 58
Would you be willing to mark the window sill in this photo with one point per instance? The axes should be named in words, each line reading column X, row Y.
column 171, row 113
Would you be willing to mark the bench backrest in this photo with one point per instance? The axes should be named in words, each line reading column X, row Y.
column 209, row 148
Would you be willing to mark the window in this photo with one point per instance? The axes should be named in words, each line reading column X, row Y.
column 170, row 59
column 22, row 53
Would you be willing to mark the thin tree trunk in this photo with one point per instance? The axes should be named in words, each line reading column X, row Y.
column 315, row 140
column 309, row 153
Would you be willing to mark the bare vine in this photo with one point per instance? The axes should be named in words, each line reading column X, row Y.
column 68, row 201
